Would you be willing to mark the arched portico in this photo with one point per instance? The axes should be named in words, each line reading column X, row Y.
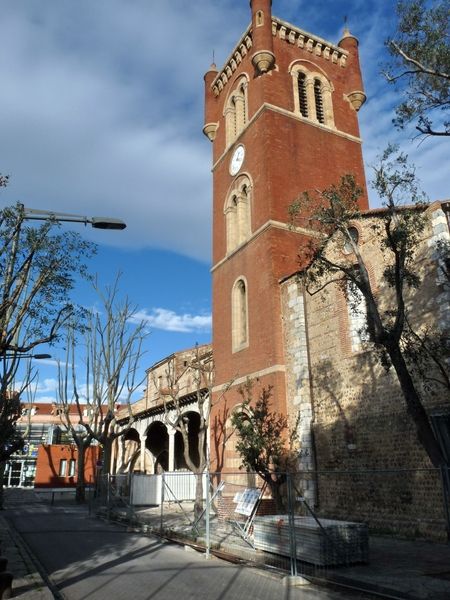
column 157, row 442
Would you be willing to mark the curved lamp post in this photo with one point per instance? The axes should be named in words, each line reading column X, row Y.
column 32, row 214
column 18, row 355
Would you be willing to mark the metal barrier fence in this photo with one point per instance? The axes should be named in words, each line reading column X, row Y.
column 324, row 520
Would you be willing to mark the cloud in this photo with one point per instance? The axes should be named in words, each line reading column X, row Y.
column 101, row 108
column 45, row 399
column 50, row 362
column 168, row 320
column 101, row 118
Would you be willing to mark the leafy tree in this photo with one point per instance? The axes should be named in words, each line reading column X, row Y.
column 112, row 352
column 37, row 273
column 420, row 65
column 263, row 437
column 398, row 229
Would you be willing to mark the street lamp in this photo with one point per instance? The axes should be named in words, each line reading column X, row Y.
column 32, row 214
column 18, row 355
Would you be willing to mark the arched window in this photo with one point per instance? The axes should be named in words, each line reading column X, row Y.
column 312, row 95
column 318, row 100
column 239, row 317
column 236, row 112
column 357, row 315
column 237, row 214
column 302, row 97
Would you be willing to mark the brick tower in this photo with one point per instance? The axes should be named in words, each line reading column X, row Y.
column 282, row 117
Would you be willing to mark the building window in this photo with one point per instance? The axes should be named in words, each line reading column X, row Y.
column 357, row 316
column 302, row 97
column 239, row 320
column 72, row 467
column 354, row 234
column 62, row 467
column 236, row 112
column 441, row 427
column 318, row 100
column 237, row 214
column 312, row 95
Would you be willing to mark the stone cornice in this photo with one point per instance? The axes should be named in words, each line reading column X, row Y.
column 288, row 113
column 285, row 31
column 254, row 375
column 313, row 43
column 270, row 224
column 233, row 61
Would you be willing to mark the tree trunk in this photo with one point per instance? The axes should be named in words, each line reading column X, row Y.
column 80, row 490
column 198, row 505
column 2, row 476
column 106, row 456
column 275, row 490
column 415, row 408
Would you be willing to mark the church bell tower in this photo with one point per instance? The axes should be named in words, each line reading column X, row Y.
column 282, row 118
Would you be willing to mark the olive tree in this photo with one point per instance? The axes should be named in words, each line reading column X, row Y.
column 420, row 65
column 264, row 443
column 398, row 231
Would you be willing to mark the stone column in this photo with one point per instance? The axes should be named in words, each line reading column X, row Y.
column 230, row 124
column 142, row 440
column 239, row 102
column 171, row 433
column 310, row 98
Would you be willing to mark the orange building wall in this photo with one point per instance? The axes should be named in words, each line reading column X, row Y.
column 48, row 464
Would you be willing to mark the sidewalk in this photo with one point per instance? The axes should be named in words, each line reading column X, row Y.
column 410, row 570
column 28, row 583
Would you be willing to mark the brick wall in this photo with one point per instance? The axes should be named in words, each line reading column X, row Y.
column 48, row 465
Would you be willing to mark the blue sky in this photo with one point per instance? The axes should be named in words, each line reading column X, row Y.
column 101, row 111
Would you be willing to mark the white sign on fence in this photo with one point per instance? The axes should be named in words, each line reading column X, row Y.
column 247, row 501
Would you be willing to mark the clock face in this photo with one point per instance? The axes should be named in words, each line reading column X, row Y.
column 237, row 159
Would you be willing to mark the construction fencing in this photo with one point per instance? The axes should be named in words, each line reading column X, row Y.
column 307, row 524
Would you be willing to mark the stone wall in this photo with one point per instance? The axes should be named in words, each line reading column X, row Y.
column 359, row 423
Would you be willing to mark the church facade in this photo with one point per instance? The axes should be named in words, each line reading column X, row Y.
column 282, row 117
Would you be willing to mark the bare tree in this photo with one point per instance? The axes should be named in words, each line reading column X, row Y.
column 112, row 349
column 189, row 384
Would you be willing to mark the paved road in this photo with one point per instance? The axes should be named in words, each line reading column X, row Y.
column 88, row 559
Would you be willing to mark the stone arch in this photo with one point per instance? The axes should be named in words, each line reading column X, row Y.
column 239, row 314
column 237, row 212
column 192, row 419
column 312, row 92
column 157, row 442
column 129, row 451
column 236, row 109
